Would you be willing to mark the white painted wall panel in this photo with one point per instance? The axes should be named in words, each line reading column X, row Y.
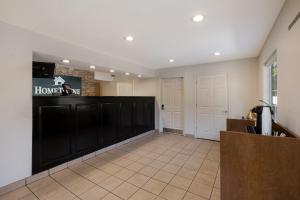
column 287, row 44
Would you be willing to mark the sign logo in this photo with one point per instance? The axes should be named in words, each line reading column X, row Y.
column 58, row 81
column 49, row 86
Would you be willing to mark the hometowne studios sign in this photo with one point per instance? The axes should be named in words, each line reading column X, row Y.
column 50, row 86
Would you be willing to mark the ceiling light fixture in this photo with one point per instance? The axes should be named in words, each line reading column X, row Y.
column 111, row 70
column 198, row 18
column 217, row 53
column 140, row 76
column 65, row 61
column 171, row 60
column 127, row 74
column 129, row 38
column 92, row 66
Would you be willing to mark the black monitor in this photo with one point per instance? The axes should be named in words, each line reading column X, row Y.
column 43, row 69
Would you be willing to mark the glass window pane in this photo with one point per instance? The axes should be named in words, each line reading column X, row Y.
column 274, row 97
column 274, row 77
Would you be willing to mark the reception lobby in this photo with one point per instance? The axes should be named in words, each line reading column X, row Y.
column 154, row 100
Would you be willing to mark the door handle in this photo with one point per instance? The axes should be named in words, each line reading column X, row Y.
column 162, row 106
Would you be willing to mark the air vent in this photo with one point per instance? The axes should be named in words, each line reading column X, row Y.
column 294, row 21
column 101, row 76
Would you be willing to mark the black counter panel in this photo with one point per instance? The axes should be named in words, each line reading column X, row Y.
column 109, row 123
column 125, row 121
column 55, row 138
column 87, row 127
column 65, row 128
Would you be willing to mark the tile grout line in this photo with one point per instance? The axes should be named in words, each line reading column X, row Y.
column 195, row 175
column 108, row 177
column 166, row 163
column 63, row 186
column 176, row 174
column 32, row 192
column 111, row 192
column 198, row 172
column 214, row 180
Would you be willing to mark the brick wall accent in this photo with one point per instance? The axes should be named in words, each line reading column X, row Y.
column 89, row 86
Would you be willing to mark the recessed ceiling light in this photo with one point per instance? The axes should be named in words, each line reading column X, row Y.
column 217, row 53
column 92, row 66
column 129, row 38
column 198, row 18
column 111, row 70
column 171, row 60
column 140, row 76
column 65, row 61
column 127, row 74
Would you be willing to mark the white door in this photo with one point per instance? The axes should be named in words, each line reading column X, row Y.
column 212, row 106
column 124, row 89
column 172, row 90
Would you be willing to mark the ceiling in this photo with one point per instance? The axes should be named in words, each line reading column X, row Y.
column 162, row 29
column 40, row 57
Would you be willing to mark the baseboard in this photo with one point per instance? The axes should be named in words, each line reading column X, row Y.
column 12, row 186
column 15, row 185
column 189, row 135
column 170, row 130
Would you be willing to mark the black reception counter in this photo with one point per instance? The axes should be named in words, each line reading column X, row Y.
column 65, row 128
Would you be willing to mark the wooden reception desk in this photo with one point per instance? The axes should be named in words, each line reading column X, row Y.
column 255, row 167
column 65, row 128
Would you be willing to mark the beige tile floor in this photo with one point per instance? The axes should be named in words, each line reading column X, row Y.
column 156, row 167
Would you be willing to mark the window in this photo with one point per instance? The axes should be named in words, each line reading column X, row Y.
column 273, row 84
column 272, row 70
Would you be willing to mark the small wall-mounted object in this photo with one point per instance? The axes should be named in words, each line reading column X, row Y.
column 100, row 76
column 294, row 21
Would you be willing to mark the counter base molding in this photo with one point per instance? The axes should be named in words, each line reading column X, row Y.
column 18, row 184
column 67, row 128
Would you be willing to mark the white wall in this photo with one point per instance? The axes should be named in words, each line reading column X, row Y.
column 242, row 86
column 108, row 88
column 287, row 44
column 15, row 105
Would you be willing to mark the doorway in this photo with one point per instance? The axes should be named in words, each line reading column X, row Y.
column 125, row 88
column 211, row 106
column 172, row 108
